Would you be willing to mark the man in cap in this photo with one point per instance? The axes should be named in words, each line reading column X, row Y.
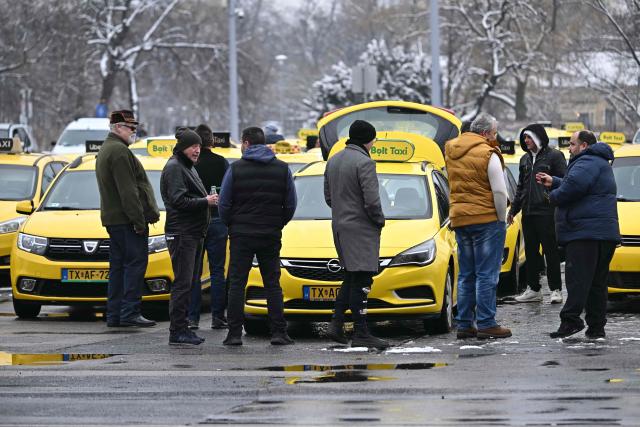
column 187, row 204
column 351, row 190
column 127, row 206
column 271, row 134
column 211, row 168
column 257, row 199
column 538, row 226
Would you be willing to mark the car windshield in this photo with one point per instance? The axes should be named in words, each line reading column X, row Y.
column 4, row 133
column 627, row 173
column 140, row 151
column 79, row 191
column 295, row 167
column 402, row 197
column 78, row 137
column 514, row 168
column 17, row 182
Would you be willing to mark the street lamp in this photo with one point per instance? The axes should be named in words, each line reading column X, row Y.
column 436, row 91
column 233, row 72
column 281, row 59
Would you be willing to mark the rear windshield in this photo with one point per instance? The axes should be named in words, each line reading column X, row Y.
column 17, row 182
column 79, row 191
column 78, row 137
column 627, row 173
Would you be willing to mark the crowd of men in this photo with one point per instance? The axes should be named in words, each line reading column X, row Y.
column 209, row 203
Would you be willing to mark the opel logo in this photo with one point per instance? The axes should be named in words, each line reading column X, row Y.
column 89, row 246
column 334, row 265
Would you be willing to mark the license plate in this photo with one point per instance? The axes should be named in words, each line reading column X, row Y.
column 84, row 275
column 320, row 293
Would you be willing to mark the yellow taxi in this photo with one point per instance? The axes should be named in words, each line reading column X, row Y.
column 418, row 258
column 23, row 177
column 299, row 160
column 162, row 146
column 61, row 256
column 624, row 270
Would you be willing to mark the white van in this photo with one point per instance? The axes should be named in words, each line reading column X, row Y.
column 80, row 131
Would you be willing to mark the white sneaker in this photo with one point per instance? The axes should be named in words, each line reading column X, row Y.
column 556, row 297
column 530, row 296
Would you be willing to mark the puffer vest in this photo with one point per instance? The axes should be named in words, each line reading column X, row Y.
column 471, row 196
column 259, row 192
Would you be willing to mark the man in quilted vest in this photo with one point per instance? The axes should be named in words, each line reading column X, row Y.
column 478, row 213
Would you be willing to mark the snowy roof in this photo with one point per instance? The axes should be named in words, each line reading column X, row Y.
column 89, row 123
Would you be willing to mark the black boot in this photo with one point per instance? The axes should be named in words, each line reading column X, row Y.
column 336, row 332
column 363, row 338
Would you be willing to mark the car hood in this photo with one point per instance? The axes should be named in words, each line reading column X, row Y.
column 8, row 210
column 314, row 238
column 627, row 217
column 75, row 224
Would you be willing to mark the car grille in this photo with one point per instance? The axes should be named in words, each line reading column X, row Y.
column 5, row 260
column 318, row 270
column 72, row 250
column 630, row 240
column 57, row 288
column 624, row 280
column 301, row 304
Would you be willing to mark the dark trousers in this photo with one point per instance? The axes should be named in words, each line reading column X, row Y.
column 186, row 257
column 586, row 270
column 541, row 230
column 353, row 295
column 215, row 243
column 267, row 252
column 128, row 258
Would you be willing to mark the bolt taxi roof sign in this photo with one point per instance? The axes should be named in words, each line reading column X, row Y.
column 612, row 137
column 392, row 150
column 160, row 147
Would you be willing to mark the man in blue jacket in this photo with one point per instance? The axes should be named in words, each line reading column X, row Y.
column 587, row 225
column 257, row 199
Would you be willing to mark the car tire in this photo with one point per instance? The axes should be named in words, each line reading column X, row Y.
column 512, row 281
column 26, row 310
column 256, row 327
column 444, row 323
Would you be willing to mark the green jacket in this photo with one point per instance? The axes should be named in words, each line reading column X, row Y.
column 126, row 195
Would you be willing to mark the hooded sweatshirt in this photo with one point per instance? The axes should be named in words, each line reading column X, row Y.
column 257, row 196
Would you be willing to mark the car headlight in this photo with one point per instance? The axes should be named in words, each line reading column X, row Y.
column 422, row 254
column 12, row 225
column 34, row 244
column 157, row 244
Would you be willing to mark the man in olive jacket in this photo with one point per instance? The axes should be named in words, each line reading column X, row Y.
column 127, row 206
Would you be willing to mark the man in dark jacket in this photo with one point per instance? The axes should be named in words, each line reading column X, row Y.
column 587, row 225
column 127, row 206
column 538, row 225
column 211, row 168
column 187, row 204
column 257, row 199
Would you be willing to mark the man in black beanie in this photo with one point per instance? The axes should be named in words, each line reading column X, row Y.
column 187, row 205
column 351, row 190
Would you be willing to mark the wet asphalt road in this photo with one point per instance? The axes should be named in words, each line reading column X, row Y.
column 528, row 379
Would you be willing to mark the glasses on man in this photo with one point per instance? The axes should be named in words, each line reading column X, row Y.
column 131, row 128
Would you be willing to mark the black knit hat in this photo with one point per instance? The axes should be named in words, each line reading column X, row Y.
column 206, row 135
column 539, row 131
column 361, row 133
column 186, row 138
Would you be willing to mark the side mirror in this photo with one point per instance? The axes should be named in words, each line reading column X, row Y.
column 25, row 207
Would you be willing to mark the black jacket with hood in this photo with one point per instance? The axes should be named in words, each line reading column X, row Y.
column 532, row 198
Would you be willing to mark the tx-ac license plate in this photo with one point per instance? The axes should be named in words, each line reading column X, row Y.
column 320, row 293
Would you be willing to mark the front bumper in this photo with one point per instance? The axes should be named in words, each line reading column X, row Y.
column 624, row 271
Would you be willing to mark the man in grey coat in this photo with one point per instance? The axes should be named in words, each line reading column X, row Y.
column 351, row 190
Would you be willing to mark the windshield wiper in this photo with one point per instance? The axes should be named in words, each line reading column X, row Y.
column 61, row 208
column 625, row 199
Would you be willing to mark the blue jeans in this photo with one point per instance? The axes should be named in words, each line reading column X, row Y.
column 480, row 249
column 215, row 244
column 128, row 257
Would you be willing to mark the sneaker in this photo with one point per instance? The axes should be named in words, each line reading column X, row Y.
column 193, row 324
column 466, row 333
column 494, row 332
column 281, row 338
column 566, row 330
column 232, row 339
column 193, row 334
column 594, row 334
column 336, row 332
column 183, row 338
column 219, row 323
column 530, row 296
column 556, row 297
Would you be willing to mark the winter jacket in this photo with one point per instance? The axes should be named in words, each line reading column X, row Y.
column 184, row 198
column 586, row 198
column 351, row 190
column 532, row 197
column 258, row 196
column 126, row 195
column 467, row 159
column 211, row 168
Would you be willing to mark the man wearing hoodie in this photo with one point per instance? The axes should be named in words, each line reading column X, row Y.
column 587, row 226
column 538, row 226
column 257, row 199
column 478, row 211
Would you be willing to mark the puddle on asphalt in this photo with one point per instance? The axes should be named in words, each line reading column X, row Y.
column 359, row 367
column 337, row 377
column 9, row 359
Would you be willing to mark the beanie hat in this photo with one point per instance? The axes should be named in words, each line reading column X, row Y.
column 186, row 138
column 206, row 135
column 270, row 129
column 361, row 133
column 539, row 132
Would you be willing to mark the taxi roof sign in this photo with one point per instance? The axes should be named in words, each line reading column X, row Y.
column 9, row 145
column 508, row 147
column 222, row 139
column 573, row 126
column 392, row 150
column 612, row 137
column 160, row 147
column 93, row 146
column 304, row 133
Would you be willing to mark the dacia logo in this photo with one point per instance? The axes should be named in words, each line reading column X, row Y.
column 90, row 246
column 333, row 265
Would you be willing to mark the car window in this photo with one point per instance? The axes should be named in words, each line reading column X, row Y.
column 514, row 168
column 401, row 196
column 140, row 151
column 627, row 173
column 295, row 167
column 78, row 137
column 17, row 182
column 512, row 185
column 47, row 176
column 57, row 167
column 442, row 195
column 78, row 190
column 24, row 137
